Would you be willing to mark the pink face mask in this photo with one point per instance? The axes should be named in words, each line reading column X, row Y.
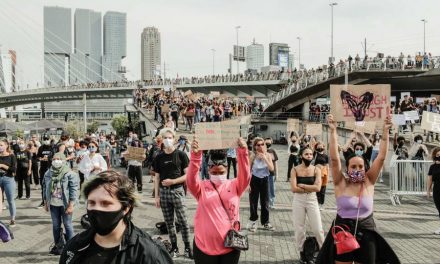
column 356, row 176
column 218, row 179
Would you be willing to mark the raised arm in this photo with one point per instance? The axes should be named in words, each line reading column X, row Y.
column 377, row 165
column 365, row 139
column 244, row 173
column 335, row 161
column 192, row 176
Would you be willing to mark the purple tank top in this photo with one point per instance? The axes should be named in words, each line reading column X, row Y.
column 347, row 206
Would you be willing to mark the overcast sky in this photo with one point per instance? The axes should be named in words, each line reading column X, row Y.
column 191, row 28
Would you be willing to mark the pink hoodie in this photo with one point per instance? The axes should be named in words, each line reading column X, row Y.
column 211, row 223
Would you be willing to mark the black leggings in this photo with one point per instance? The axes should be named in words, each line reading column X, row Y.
column 35, row 175
column 201, row 258
column 135, row 175
column 436, row 195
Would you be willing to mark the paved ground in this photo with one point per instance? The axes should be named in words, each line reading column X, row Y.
column 409, row 227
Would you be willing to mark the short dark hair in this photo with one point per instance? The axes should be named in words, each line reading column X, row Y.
column 418, row 137
column 359, row 144
column 399, row 138
column 347, row 161
column 114, row 183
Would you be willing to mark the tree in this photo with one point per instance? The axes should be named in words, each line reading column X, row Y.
column 74, row 128
column 119, row 124
column 92, row 127
column 19, row 133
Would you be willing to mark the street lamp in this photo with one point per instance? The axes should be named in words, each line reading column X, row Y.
column 299, row 53
column 213, row 64
column 424, row 35
column 331, row 55
column 237, row 28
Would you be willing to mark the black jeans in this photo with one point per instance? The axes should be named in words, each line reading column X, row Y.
column 321, row 195
column 23, row 177
column 234, row 165
column 202, row 258
column 259, row 190
column 135, row 175
column 43, row 170
column 35, row 175
column 175, row 116
column 436, row 195
column 291, row 163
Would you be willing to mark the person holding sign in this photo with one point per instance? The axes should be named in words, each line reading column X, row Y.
column 261, row 167
column 434, row 177
column 354, row 191
column 134, row 168
column 218, row 202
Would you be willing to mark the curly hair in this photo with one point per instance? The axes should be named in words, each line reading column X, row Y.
column 434, row 152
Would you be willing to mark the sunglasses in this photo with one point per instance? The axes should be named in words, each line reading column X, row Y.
column 259, row 145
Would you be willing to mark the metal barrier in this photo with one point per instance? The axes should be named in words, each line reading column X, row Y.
column 408, row 177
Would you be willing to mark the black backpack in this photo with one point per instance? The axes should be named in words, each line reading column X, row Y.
column 310, row 249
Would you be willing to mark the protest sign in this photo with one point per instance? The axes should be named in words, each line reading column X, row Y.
column 165, row 108
column 365, row 127
column 431, row 121
column 249, row 98
column 420, row 100
column 314, row 129
column 292, row 125
column 134, row 153
column 223, row 96
column 218, row 135
column 360, row 102
column 436, row 96
column 188, row 93
column 399, row 120
column 411, row 115
column 322, row 101
column 215, row 93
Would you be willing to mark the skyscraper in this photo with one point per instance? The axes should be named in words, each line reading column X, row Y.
column 150, row 52
column 254, row 56
column 115, row 46
column 7, row 72
column 57, row 45
column 279, row 54
column 85, row 62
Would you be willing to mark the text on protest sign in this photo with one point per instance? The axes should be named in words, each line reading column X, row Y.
column 365, row 127
column 411, row 115
column 314, row 129
column 360, row 102
column 431, row 121
column 218, row 135
column 292, row 125
column 135, row 154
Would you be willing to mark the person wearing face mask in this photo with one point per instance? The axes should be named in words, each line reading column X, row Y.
column 418, row 150
column 218, row 201
column 354, row 191
column 434, row 178
column 8, row 165
column 305, row 183
column 104, row 149
column 92, row 163
column 79, row 156
column 261, row 167
column 375, row 141
column 44, row 155
column 321, row 162
column 273, row 174
column 112, row 236
column 24, row 170
column 294, row 157
column 152, row 154
column 61, row 190
column 399, row 148
column 183, row 145
column 170, row 174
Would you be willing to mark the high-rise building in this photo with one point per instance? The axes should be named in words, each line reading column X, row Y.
column 150, row 52
column 57, row 45
column 7, row 68
column 291, row 61
column 115, row 46
column 85, row 62
column 279, row 54
column 255, row 56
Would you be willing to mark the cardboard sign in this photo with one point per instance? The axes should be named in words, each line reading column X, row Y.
column 366, row 127
column 399, row 120
column 218, row 135
column 360, row 102
column 215, row 94
column 411, row 115
column 292, row 125
column 165, row 108
column 134, row 153
column 188, row 93
column 431, row 121
column 436, row 96
column 245, row 120
column 314, row 129
column 223, row 96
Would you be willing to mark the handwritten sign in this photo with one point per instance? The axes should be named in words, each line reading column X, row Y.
column 218, row 135
column 314, row 129
column 360, row 102
column 431, row 121
column 399, row 120
column 411, row 115
column 134, row 153
column 366, row 127
column 292, row 125
column 188, row 93
column 215, row 93
column 165, row 108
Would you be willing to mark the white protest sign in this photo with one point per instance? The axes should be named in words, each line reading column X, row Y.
column 411, row 115
column 218, row 135
column 366, row 127
column 399, row 120
column 431, row 121
column 314, row 129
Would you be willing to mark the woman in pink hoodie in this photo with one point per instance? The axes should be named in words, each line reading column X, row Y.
column 213, row 220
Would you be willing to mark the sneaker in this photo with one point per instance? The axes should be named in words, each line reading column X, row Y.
column 55, row 251
column 269, row 227
column 437, row 232
column 188, row 253
column 381, row 180
column 252, row 226
column 12, row 223
column 40, row 206
column 174, row 253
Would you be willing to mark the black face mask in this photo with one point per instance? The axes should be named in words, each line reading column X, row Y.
column 306, row 162
column 104, row 222
column 401, row 143
column 437, row 158
column 319, row 149
column 268, row 145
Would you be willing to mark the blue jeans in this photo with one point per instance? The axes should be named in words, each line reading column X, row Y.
column 7, row 184
column 58, row 213
column 271, row 186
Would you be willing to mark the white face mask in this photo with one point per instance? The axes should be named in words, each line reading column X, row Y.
column 168, row 142
column 218, row 179
column 46, row 142
column 57, row 163
column 419, row 141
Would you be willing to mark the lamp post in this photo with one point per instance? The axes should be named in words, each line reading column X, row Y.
column 299, row 52
column 237, row 28
column 424, row 35
column 213, row 61
column 331, row 49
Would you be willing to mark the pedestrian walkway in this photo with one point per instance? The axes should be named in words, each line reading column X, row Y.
column 408, row 228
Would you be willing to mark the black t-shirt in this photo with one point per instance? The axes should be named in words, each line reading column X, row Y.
column 95, row 254
column 23, row 158
column 434, row 171
column 45, row 150
column 170, row 166
column 9, row 161
column 321, row 159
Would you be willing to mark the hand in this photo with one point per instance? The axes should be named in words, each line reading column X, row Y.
column 195, row 145
column 46, row 207
column 249, row 189
column 29, row 173
column 241, row 143
column 331, row 122
column 168, row 182
column 69, row 210
column 2, row 166
column 387, row 123
column 157, row 201
column 96, row 167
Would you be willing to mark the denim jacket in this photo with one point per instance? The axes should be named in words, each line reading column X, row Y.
column 69, row 186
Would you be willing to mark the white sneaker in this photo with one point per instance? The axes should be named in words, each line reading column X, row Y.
column 437, row 232
column 381, row 180
column 252, row 226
